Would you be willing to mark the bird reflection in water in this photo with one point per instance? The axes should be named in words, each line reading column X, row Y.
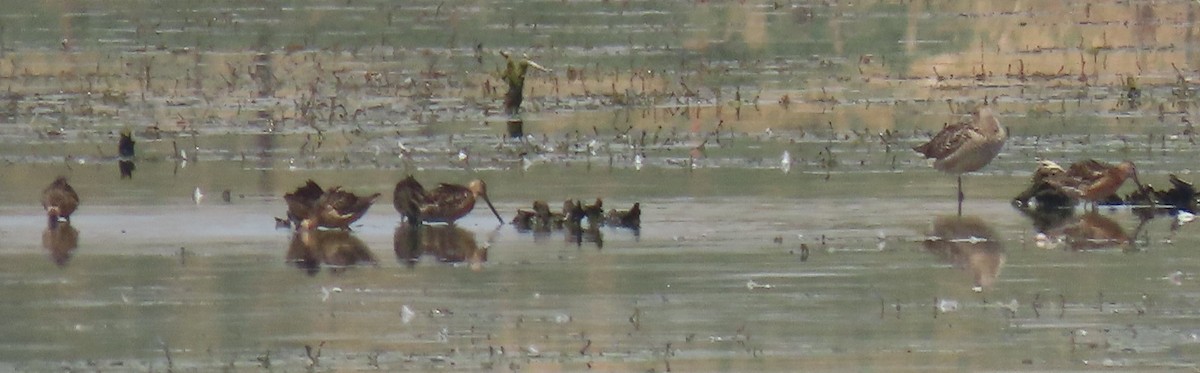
column 60, row 240
column 969, row 243
column 126, row 168
column 577, row 231
column 310, row 249
column 446, row 243
column 1090, row 231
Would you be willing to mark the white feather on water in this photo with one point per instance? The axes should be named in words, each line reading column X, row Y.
column 785, row 162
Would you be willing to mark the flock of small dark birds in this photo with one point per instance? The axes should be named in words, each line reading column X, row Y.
column 311, row 207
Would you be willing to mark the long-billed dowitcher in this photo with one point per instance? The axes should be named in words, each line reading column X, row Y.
column 310, row 207
column 966, row 147
column 444, row 204
column 1092, row 180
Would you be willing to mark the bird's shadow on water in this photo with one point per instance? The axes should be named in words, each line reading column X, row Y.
column 336, row 250
column 60, row 240
column 445, row 243
column 1089, row 231
column 968, row 243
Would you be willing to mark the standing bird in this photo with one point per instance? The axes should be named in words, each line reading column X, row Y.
column 631, row 218
column 444, row 204
column 125, row 145
column 407, row 198
column 1094, row 181
column 966, row 147
column 125, row 150
column 300, row 203
column 59, row 200
column 1048, row 196
column 514, row 76
column 309, row 207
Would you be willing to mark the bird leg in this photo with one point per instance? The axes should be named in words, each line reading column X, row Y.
column 960, row 195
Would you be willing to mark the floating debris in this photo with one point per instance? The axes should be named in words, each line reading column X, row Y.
column 751, row 285
column 327, row 292
column 786, row 162
column 406, row 314
column 947, row 305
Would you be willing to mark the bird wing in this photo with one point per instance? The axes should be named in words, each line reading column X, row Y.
column 302, row 201
column 347, row 204
column 448, row 196
column 947, row 141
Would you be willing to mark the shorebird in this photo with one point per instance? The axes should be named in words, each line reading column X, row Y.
column 309, row 207
column 408, row 197
column 966, row 147
column 1092, row 180
column 539, row 219
column 59, row 200
column 444, row 204
column 514, row 76
column 631, row 218
column 1046, row 194
column 125, row 145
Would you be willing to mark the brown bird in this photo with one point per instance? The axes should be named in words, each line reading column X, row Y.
column 626, row 219
column 444, row 204
column 539, row 219
column 1092, row 180
column 59, row 200
column 1048, row 196
column 408, row 197
column 966, row 147
column 301, row 202
column 332, row 208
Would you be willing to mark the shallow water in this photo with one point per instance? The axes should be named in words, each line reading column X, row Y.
column 851, row 260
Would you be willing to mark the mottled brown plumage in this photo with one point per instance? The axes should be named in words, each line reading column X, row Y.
column 301, row 202
column 444, row 204
column 1047, row 195
column 408, row 197
column 966, row 147
column 538, row 219
column 631, row 218
column 59, row 200
column 309, row 207
column 339, row 208
column 1092, row 180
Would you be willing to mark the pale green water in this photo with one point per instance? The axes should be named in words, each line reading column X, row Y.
column 704, row 286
